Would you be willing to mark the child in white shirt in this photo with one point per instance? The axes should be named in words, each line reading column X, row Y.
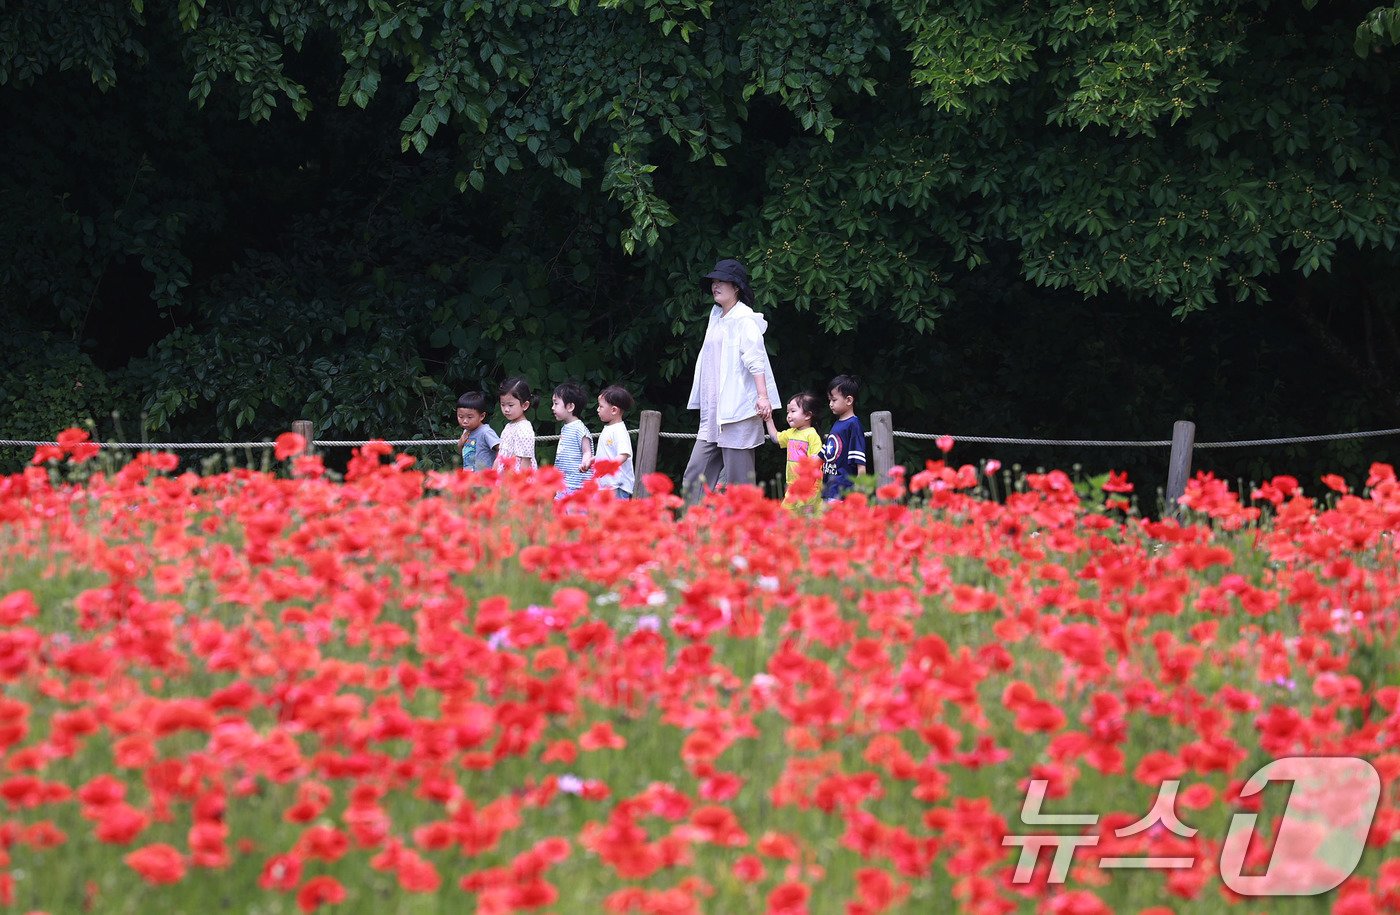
column 615, row 444
column 517, row 447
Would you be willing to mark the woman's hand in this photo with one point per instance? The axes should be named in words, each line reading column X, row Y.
column 764, row 408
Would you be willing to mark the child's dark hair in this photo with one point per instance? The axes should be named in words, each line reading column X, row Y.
column 518, row 388
column 845, row 385
column 572, row 396
column 808, row 403
column 474, row 400
column 617, row 396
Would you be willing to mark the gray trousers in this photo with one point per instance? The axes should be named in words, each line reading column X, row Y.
column 710, row 465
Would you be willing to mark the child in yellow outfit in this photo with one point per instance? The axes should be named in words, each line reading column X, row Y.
column 800, row 441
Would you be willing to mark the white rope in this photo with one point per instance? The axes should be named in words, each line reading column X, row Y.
column 409, row 443
column 692, row 436
column 920, row 436
column 146, row 446
column 1160, row 443
column 995, row 440
column 320, row 443
column 393, row 443
column 1300, row 439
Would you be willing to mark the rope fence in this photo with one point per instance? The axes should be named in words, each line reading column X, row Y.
column 1047, row 442
column 219, row 446
column 1300, row 439
column 1158, row 443
column 882, row 433
column 145, row 446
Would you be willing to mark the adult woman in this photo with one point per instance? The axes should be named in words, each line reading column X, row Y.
column 733, row 388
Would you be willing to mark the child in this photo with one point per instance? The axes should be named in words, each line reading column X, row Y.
column 479, row 441
column 518, row 437
column 799, row 439
column 575, row 445
column 844, row 452
column 615, row 444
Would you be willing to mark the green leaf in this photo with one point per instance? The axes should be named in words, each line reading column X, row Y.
column 189, row 11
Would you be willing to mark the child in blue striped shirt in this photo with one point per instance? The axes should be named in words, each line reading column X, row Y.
column 575, row 444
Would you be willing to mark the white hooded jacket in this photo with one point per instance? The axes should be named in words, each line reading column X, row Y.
column 741, row 356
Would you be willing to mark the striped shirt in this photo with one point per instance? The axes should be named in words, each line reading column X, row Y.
column 570, row 454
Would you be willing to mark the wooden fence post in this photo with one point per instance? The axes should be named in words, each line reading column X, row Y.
column 882, row 445
column 648, row 439
column 1179, row 469
column 306, row 430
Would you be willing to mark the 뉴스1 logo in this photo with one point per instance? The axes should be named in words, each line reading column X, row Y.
column 1320, row 838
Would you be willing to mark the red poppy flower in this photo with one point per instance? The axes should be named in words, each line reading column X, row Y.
column 749, row 869
column 74, row 442
column 17, row 607
column 319, row 891
column 1117, row 482
column 281, row 873
column 157, row 864
column 45, row 453
column 119, row 823
column 289, row 444
column 601, row 736
column 789, row 899
column 325, row 843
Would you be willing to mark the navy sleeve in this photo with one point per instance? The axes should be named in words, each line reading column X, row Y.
column 855, row 443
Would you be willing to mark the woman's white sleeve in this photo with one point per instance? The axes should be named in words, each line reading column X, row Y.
column 751, row 351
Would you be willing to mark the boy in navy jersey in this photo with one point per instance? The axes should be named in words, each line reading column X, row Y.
column 843, row 455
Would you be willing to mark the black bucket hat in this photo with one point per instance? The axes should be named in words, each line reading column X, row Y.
column 731, row 271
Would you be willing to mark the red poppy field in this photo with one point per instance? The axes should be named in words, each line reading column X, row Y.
column 427, row 692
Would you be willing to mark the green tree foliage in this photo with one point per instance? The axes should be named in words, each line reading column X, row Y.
column 1380, row 27
column 48, row 384
column 1203, row 147
column 1170, row 149
column 359, row 332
